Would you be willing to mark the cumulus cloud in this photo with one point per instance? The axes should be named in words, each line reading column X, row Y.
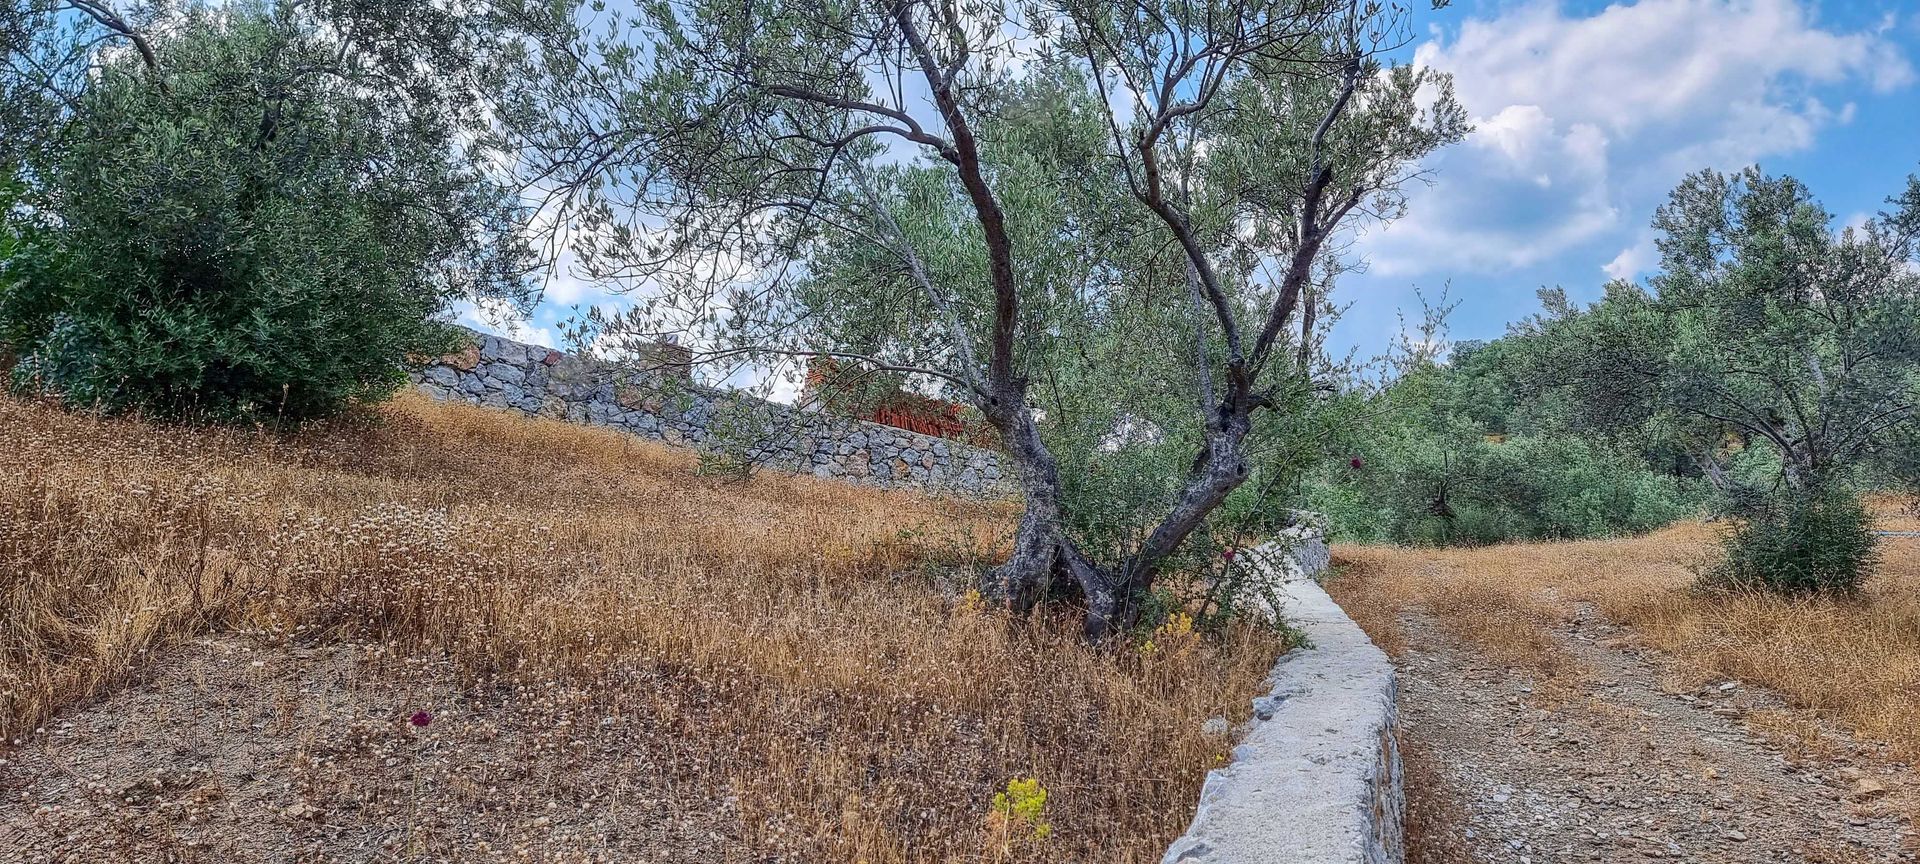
column 1583, row 123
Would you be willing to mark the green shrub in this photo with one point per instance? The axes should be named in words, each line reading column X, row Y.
column 1821, row 542
column 266, row 237
column 1429, row 488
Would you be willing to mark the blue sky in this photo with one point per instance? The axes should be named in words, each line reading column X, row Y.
column 1586, row 114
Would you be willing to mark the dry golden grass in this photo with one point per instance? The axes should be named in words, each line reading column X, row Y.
column 797, row 631
column 1854, row 661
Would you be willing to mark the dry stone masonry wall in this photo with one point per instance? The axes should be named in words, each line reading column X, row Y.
column 539, row 381
column 1316, row 777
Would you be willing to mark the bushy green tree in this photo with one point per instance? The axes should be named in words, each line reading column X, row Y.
column 1765, row 330
column 259, row 213
column 1820, row 542
column 1449, row 456
column 1117, row 332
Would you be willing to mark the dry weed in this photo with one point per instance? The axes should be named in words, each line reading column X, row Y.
column 795, row 630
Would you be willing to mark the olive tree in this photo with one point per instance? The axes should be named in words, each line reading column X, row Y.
column 249, row 211
column 710, row 155
column 1765, row 328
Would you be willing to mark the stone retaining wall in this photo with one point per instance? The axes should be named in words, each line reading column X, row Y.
column 535, row 380
column 1316, row 779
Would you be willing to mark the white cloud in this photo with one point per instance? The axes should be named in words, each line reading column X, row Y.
column 1633, row 260
column 1583, row 123
column 562, row 288
column 501, row 318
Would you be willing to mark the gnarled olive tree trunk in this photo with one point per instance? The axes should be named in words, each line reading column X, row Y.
column 1023, row 579
column 1113, row 596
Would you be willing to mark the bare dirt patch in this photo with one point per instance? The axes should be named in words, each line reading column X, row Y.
column 1629, row 765
column 232, row 752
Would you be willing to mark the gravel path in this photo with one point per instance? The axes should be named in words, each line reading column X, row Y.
column 1625, row 766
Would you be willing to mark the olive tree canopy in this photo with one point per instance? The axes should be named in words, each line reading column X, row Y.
column 249, row 211
column 973, row 193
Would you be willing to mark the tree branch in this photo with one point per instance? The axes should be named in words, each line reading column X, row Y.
column 109, row 18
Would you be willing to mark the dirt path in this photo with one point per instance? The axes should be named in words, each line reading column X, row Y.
column 1618, row 763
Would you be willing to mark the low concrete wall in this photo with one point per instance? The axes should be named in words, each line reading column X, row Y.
column 1316, row 779
column 536, row 380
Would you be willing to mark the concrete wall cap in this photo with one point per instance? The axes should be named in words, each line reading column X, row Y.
column 1316, row 779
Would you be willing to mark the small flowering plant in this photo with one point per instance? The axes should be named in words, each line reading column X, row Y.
column 1021, row 810
column 1175, row 634
column 420, row 719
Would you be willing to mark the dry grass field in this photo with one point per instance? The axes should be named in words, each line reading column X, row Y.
column 591, row 629
column 1853, row 661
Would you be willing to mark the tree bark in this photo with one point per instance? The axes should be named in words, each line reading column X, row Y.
column 1115, row 597
column 112, row 20
column 1023, row 579
column 1109, row 609
column 1710, row 468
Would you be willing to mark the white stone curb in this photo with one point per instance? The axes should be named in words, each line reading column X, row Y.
column 1316, row 779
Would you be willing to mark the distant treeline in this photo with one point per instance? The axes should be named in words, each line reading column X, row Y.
column 1769, row 370
column 1459, row 453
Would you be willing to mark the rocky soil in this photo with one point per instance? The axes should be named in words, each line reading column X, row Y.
column 232, row 752
column 1627, row 763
